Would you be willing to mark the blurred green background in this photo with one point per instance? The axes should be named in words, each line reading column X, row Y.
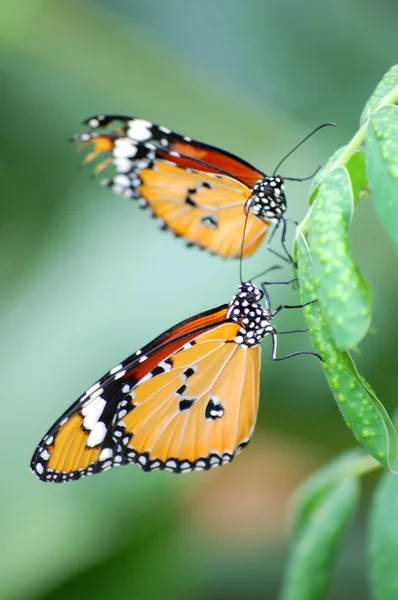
column 87, row 278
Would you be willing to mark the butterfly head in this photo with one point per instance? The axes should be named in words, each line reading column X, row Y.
column 267, row 200
column 253, row 318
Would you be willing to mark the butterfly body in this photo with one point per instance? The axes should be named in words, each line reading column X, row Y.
column 195, row 190
column 186, row 401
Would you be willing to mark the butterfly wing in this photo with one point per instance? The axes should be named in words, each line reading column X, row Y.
column 101, row 429
column 194, row 199
column 197, row 414
column 194, row 154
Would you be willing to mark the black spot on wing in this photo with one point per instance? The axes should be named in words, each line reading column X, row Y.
column 214, row 409
column 210, row 221
column 185, row 404
column 188, row 200
column 158, row 370
column 189, row 372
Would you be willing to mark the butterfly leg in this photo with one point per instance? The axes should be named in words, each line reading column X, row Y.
column 305, row 330
column 283, row 242
column 264, row 283
column 274, row 252
column 291, row 354
column 283, row 306
column 287, row 257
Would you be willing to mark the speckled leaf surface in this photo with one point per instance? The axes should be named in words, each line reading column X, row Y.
column 388, row 87
column 382, row 166
column 344, row 294
column 362, row 411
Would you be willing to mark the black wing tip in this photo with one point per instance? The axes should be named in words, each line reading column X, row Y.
column 105, row 119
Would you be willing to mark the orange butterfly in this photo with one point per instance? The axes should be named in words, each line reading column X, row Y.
column 195, row 190
column 186, row 401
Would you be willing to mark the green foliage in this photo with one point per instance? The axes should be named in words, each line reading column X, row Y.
column 362, row 411
column 327, row 271
column 338, row 321
column 324, row 508
column 383, row 539
column 385, row 93
column 382, row 166
column 345, row 296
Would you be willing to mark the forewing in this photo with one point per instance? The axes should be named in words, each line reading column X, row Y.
column 192, row 152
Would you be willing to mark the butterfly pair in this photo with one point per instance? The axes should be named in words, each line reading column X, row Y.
column 189, row 399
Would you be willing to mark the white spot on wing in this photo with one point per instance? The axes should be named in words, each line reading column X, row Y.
column 124, row 148
column 120, row 374
column 97, row 435
column 105, row 453
column 122, row 164
column 92, row 413
column 122, row 180
column 165, row 365
column 92, row 389
column 139, row 130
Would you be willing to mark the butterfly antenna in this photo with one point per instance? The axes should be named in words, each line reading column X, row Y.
column 247, row 213
column 329, row 124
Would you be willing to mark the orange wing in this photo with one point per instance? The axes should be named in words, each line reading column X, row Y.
column 200, row 412
column 197, row 191
column 206, row 211
column 72, row 447
column 188, row 400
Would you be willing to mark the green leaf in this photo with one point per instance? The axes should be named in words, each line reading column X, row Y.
column 353, row 463
column 386, row 92
column 357, row 172
column 314, row 189
column 362, row 411
column 383, row 539
column 323, row 514
column 382, row 166
column 344, row 294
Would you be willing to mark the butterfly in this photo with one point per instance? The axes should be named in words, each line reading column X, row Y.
column 195, row 190
column 187, row 401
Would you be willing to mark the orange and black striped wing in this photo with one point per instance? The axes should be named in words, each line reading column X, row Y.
column 194, row 199
column 186, row 401
column 72, row 446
